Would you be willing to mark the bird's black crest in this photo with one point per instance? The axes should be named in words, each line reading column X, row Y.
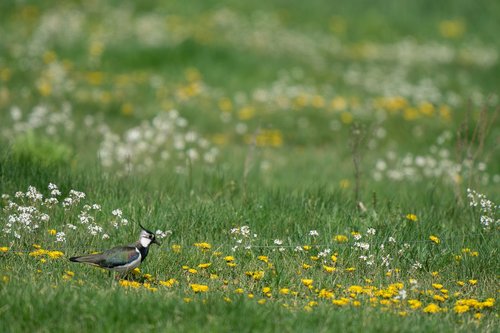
column 140, row 225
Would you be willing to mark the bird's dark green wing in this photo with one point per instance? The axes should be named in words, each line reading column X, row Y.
column 119, row 256
column 115, row 257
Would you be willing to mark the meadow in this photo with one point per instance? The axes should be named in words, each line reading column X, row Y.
column 306, row 166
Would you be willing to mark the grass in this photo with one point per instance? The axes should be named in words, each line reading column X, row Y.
column 277, row 90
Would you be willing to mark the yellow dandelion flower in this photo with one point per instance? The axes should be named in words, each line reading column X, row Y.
column 437, row 286
column 284, row 291
column 199, row 288
column 225, row 104
column 263, row 258
column 96, row 78
column 256, row 275
column 239, row 291
column 192, row 271
column 38, row 252
column 307, row 282
column 341, row 302
column 334, row 258
column 432, row 308
column 461, row 308
column 306, row 247
column 129, row 284
column 339, row 103
column 350, row 269
column 4, row 249
column 55, row 254
column 324, row 293
column 452, row 28
column 187, row 300
column 318, row 101
column 5, row 279
column 414, row 303
column 344, row 183
column 176, row 248
column 329, row 269
column 488, row 303
column 478, row 315
column 412, row 217
column 262, row 301
column 169, row 283
column 312, row 303
column 346, row 117
column 52, row 232
column 306, row 266
column 472, row 282
column 229, row 258
column 204, row 265
column 44, row 87
column 434, row 239
column 438, row 298
column 355, row 289
column 203, row 246
column 246, row 113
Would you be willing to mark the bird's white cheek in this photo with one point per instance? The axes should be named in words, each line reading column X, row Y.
column 145, row 241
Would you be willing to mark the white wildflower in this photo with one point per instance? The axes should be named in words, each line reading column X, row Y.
column 117, row 212
column 313, row 233
column 60, row 236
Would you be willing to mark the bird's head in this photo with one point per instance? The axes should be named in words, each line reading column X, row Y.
column 147, row 237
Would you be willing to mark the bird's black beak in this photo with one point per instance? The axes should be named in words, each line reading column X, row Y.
column 155, row 241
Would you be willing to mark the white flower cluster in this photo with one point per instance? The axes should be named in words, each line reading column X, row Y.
column 162, row 234
column 438, row 164
column 373, row 252
column 51, row 122
column 27, row 214
column 490, row 212
column 243, row 237
column 166, row 140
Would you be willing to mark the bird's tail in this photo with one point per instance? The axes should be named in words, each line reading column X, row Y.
column 87, row 259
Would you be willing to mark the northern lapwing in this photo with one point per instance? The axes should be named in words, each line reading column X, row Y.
column 121, row 259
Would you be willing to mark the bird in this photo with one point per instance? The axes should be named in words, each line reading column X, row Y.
column 121, row 259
